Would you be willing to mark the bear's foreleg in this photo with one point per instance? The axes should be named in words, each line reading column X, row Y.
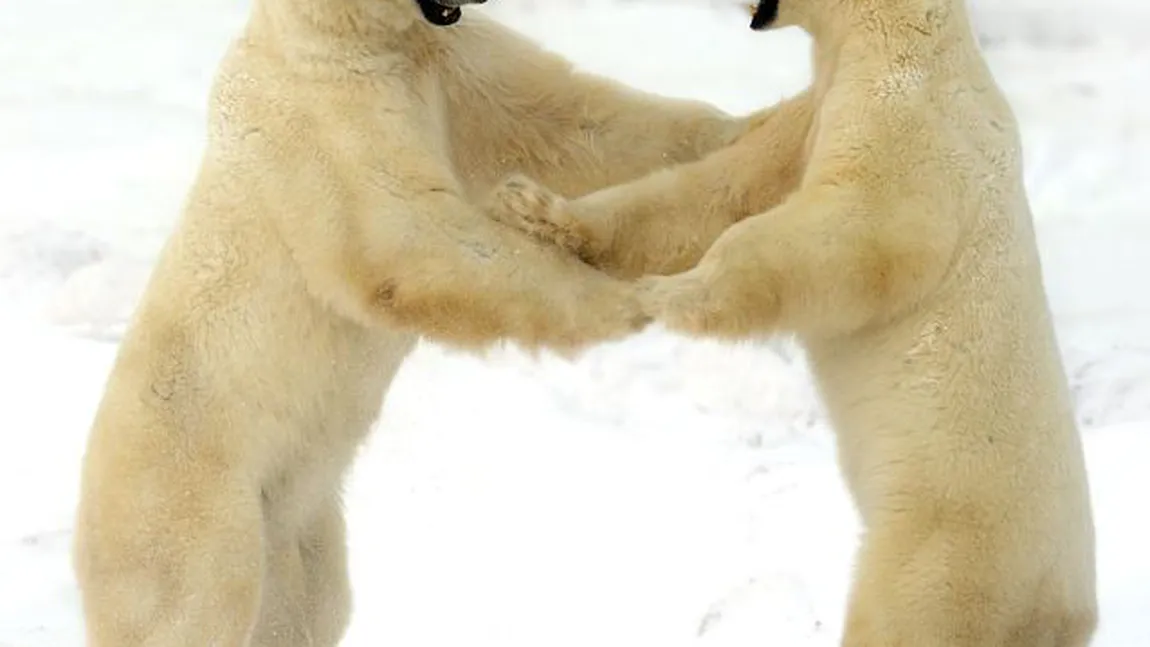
column 663, row 222
column 824, row 263
column 433, row 264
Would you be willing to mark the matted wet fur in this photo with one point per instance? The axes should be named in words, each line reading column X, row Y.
column 331, row 224
column 881, row 217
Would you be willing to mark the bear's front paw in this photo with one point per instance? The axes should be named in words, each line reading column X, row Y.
column 534, row 209
column 600, row 311
column 682, row 303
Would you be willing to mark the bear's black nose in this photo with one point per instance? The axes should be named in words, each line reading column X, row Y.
column 439, row 14
column 765, row 14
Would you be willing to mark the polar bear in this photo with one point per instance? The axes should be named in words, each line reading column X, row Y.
column 331, row 224
column 881, row 217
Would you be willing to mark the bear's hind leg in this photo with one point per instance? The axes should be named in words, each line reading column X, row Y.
column 1056, row 624
column 324, row 553
column 916, row 583
column 930, row 578
column 307, row 596
column 168, row 562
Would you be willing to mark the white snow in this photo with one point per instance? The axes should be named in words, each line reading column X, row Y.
column 657, row 492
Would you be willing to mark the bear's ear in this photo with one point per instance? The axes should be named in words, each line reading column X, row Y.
column 440, row 15
column 764, row 14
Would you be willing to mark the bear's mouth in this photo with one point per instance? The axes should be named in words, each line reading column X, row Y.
column 444, row 12
column 764, row 13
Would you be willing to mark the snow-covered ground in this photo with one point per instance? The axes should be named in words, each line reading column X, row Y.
column 656, row 492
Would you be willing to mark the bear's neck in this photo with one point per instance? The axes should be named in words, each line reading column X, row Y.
column 892, row 20
column 913, row 32
column 367, row 27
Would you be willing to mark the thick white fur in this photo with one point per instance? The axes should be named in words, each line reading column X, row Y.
column 881, row 217
column 332, row 222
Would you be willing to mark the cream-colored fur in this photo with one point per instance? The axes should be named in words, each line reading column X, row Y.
column 885, row 223
column 332, row 222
